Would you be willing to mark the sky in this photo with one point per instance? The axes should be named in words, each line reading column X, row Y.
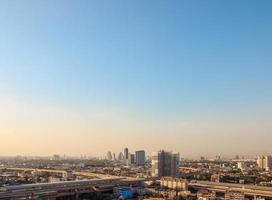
column 87, row 77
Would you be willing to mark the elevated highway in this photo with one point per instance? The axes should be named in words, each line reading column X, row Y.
column 63, row 173
column 53, row 171
column 97, row 175
column 64, row 188
column 250, row 190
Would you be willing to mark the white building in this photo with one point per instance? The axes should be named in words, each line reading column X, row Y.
column 241, row 166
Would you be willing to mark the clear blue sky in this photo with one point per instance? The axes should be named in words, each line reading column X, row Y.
column 152, row 59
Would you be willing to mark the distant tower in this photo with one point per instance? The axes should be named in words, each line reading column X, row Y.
column 109, row 156
column 56, row 157
column 114, row 157
column 140, row 157
column 121, row 156
column 131, row 159
column 126, row 153
column 264, row 162
column 165, row 164
column 218, row 158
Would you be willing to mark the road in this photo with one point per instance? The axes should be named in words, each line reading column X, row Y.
column 53, row 190
column 251, row 190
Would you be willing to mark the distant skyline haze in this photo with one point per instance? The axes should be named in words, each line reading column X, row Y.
column 88, row 77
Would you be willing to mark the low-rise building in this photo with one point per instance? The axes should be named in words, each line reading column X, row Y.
column 174, row 183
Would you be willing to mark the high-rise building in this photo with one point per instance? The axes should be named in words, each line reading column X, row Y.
column 126, row 153
column 121, row 156
column 264, row 162
column 131, row 159
column 114, row 157
column 165, row 164
column 140, row 157
column 217, row 157
column 268, row 166
column 109, row 156
column 56, row 157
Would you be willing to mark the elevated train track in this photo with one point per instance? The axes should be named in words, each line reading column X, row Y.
column 64, row 188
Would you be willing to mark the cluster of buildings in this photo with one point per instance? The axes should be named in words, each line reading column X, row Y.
column 138, row 158
column 163, row 163
column 164, row 172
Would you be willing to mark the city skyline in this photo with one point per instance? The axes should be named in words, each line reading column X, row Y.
column 86, row 77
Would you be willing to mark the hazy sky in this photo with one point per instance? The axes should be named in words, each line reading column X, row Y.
column 85, row 77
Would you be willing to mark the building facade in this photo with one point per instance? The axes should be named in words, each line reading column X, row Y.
column 126, row 153
column 174, row 183
column 131, row 159
column 264, row 162
column 121, row 156
column 140, row 157
column 165, row 164
column 109, row 156
column 234, row 195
